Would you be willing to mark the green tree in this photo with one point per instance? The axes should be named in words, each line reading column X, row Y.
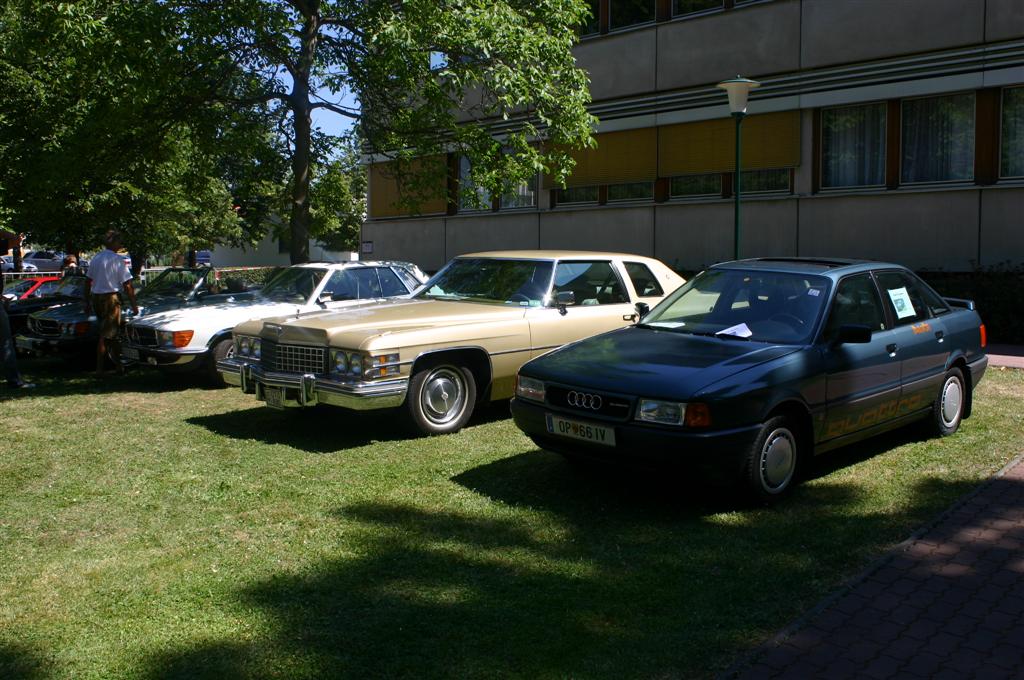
column 108, row 122
column 429, row 76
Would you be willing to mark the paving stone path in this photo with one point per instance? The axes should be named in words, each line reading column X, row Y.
column 949, row 604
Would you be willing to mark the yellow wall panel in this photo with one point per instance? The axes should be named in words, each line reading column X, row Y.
column 620, row 157
column 386, row 190
column 770, row 140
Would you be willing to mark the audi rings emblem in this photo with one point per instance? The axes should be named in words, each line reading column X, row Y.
column 584, row 400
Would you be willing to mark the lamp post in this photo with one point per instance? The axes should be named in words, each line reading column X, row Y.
column 738, row 89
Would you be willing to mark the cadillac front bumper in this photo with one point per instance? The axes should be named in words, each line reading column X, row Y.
column 292, row 390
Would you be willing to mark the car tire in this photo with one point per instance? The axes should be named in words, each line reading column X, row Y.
column 223, row 349
column 441, row 398
column 770, row 466
column 948, row 407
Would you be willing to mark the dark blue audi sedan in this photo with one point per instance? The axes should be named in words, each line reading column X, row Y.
column 754, row 366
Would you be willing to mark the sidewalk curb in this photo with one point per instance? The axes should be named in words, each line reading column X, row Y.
column 790, row 630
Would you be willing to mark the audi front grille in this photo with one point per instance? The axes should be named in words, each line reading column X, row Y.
column 589, row 402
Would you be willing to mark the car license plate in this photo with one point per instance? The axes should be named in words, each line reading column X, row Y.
column 130, row 353
column 274, row 397
column 588, row 432
column 22, row 342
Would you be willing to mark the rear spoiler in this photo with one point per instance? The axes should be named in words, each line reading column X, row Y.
column 960, row 302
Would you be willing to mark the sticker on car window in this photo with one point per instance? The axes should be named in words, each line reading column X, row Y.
column 901, row 303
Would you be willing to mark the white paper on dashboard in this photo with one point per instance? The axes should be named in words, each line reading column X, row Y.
column 740, row 330
column 901, row 302
column 666, row 324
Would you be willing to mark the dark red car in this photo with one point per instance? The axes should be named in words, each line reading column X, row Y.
column 23, row 289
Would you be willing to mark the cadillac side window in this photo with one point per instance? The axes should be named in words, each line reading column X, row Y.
column 367, row 284
column 409, row 279
column 644, row 282
column 591, row 283
column 903, row 297
column 856, row 304
column 390, row 285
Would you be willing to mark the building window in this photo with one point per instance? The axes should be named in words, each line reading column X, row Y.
column 576, row 195
column 764, row 181
column 690, row 186
column 684, row 7
column 634, row 191
column 592, row 24
column 1011, row 148
column 853, row 146
column 471, row 197
column 525, row 196
column 938, row 139
column 631, row 12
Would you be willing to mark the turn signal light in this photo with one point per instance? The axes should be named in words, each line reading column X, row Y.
column 182, row 338
column 697, row 415
column 984, row 336
column 82, row 328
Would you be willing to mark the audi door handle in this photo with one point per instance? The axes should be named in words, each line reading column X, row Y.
column 939, row 335
column 891, row 349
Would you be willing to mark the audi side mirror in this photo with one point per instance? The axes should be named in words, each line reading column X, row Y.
column 853, row 334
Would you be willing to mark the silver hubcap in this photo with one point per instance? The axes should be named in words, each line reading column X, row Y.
column 443, row 397
column 952, row 400
column 778, row 460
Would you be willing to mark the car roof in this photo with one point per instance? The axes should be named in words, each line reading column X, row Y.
column 834, row 267
column 554, row 255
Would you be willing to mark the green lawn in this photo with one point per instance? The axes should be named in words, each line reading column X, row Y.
column 151, row 528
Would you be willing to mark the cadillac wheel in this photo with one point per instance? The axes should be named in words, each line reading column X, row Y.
column 441, row 398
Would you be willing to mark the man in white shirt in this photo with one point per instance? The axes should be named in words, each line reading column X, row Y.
column 108, row 275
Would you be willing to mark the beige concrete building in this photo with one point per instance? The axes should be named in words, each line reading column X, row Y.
column 883, row 129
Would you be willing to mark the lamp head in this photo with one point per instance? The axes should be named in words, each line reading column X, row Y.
column 738, row 89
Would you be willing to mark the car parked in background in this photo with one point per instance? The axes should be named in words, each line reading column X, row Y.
column 29, row 287
column 66, row 329
column 196, row 336
column 44, row 260
column 56, row 292
column 754, row 366
column 7, row 265
column 457, row 341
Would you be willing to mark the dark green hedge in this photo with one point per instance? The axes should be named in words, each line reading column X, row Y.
column 998, row 294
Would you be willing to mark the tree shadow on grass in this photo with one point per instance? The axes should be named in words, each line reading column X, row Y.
column 54, row 377
column 18, row 661
column 561, row 577
column 323, row 429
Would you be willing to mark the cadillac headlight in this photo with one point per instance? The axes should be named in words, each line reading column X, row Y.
column 530, row 388
column 244, row 345
column 662, row 412
column 340, row 361
column 364, row 366
column 256, row 348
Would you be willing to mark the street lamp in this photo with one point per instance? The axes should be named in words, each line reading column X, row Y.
column 738, row 89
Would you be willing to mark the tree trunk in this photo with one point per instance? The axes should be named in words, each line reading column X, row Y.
column 302, row 120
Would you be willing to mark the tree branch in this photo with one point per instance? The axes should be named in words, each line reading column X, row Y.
column 348, row 113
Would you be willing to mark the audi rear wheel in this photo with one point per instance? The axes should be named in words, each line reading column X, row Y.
column 441, row 398
column 948, row 407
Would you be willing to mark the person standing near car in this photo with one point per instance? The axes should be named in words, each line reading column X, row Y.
column 8, row 360
column 108, row 276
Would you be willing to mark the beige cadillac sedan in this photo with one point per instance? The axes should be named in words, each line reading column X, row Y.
column 459, row 340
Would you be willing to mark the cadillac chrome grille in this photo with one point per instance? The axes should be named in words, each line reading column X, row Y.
column 300, row 359
column 46, row 327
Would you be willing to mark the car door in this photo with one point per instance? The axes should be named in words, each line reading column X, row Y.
column 920, row 339
column 602, row 303
column 862, row 387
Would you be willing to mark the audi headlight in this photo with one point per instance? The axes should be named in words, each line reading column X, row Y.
column 662, row 412
column 530, row 388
